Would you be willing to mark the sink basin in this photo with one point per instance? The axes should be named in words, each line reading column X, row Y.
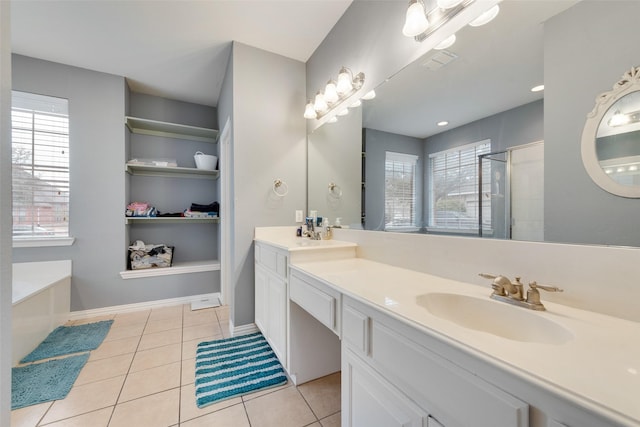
column 493, row 317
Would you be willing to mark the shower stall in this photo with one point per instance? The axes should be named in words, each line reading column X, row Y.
column 511, row 193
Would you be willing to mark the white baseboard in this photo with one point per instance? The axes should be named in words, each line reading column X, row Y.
column 127, row 308
column 243, row 330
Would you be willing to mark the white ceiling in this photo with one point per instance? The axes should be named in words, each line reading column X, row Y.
column 176, row 49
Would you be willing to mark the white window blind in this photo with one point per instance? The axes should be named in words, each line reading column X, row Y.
column 453, row 190
column 400, row 190
column 40, row 160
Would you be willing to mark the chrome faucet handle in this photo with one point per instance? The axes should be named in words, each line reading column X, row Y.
column 501, row 285
column 487, row 276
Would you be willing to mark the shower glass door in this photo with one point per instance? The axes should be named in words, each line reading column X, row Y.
column 494, row 193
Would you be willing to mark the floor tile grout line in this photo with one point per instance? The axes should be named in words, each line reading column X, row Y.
column 308, row 404
column 128, row 370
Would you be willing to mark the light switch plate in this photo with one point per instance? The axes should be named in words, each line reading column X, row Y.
column 298, row 216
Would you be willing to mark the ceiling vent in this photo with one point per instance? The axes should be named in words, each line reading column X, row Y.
column 439, row 60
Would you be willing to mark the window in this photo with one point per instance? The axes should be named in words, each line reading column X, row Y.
column 40, row 160
column 400, row 191
column 453, row 191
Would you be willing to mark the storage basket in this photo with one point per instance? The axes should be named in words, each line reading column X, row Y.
column 153, row 256
column 205, row 161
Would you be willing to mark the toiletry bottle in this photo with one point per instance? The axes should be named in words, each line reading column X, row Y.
column 326, row 228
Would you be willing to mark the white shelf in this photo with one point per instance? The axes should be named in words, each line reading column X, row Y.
column 169, row 220
column 171, row 171
column 177, row 268
column 171, row 130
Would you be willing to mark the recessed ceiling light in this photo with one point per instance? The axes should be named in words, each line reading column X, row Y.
column 443, row 123
column 538, row 88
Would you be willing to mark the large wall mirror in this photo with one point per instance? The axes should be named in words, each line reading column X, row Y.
column 457, row 142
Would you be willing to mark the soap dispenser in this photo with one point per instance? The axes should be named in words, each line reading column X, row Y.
column 326, row 228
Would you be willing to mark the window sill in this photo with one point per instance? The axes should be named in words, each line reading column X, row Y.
column 41, row 243
column 400, row 229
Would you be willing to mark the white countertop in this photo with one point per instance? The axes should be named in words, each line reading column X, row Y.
column 31, row 278
column 285, row 238
column 599, row 366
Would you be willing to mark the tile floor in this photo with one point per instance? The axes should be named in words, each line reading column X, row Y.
column 143, row 375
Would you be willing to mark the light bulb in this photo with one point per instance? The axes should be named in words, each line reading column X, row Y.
column 330, row 93
column 344, row 82
column 320, row 105
column 343, row 112
column 332, row 119
column 369, row 95
column 448, row 4
column 309, row 111
column 448, row 42
column 416, row 21
column 538, row 88
column 486, row 17
column 619, row 119
column 356, row 104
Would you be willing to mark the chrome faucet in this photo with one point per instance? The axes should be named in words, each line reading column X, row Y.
column 513, row 293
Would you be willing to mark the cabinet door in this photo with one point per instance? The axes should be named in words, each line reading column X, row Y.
column 277, row 316
column 369, row 400
column 261, row 300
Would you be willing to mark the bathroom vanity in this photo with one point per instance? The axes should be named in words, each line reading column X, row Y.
column 417, row 349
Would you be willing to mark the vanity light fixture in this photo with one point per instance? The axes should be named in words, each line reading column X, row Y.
column 424, row 17
column 369, row 95
column 486, row 17
column 446, row 43
column 416, row 21
column 334, row 95
column 621, row 119
column 330, row 92
column 538, row 88
column 448, row 4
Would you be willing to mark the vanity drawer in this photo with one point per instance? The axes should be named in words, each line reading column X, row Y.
column 317, row 299
column 437, row 384
column 271, row 259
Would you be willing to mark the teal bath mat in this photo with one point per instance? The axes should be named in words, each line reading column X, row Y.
column 70, row 339
column 43, row 382
column 235, row 366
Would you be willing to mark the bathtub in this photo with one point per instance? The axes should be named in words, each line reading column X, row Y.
column 41, row 302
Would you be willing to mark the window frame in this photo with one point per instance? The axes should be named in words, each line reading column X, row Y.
column 431, row 226
column 37, row 107
column 406, row 158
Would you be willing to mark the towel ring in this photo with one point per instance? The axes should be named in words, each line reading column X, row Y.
column 335, row 190
column 280, row 188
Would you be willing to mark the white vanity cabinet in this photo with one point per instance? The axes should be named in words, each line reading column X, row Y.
column 271, row 314
column 385, row 360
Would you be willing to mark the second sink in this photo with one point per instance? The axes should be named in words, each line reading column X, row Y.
column 513, row 323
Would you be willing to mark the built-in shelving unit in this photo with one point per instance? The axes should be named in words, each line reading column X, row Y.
column 171, row 171
column 171, row 130
column 178, row 268
column 184, row 133
column 170, row 220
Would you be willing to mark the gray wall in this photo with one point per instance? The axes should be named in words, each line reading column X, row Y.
column 377, row 144
column 334, row 155
column 269, row 142
column 97, row 156
column 5, row 215
column 587, row 50
column 99, row 144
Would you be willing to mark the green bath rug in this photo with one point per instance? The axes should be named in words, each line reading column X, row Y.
column 70, row 339
column 43, row 382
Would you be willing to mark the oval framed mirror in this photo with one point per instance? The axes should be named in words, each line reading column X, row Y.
column 611, row 138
